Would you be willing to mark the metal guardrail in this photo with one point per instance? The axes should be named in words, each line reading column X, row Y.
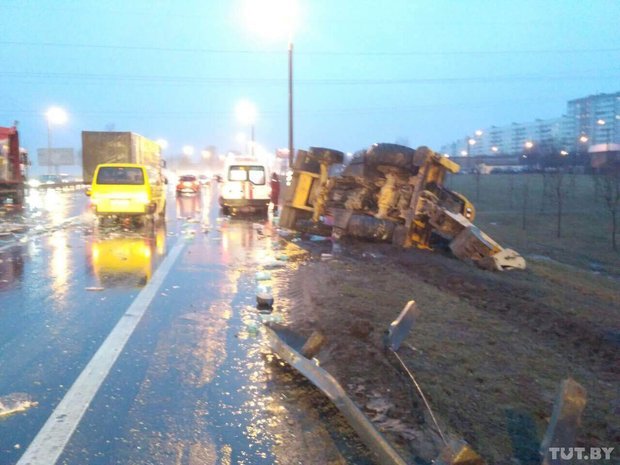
column 60, row 185
column 330, row 387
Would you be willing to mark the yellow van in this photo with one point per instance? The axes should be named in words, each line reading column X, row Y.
column 127, row 189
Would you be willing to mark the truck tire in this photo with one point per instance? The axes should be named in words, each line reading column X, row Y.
column 395, row 155
column 371, row 228
column 304, row 162
column 325, row 155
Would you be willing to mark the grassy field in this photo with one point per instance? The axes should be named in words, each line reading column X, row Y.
column 585, row 240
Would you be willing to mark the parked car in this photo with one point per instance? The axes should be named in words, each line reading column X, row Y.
column 188, row 184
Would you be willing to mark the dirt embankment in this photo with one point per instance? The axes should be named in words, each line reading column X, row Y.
column 489, row 349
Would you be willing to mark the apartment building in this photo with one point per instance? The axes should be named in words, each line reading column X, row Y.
column 588, row 121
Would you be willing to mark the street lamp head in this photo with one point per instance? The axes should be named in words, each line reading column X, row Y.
column 583, row 139
column 471, row 141
column 241, row 137
column 56, row 115
column 478, row 132
column 273, row 19
column 528, row 144
column 246, row 112
column 600, row 122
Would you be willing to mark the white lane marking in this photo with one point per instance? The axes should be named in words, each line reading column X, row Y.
column 49, row 443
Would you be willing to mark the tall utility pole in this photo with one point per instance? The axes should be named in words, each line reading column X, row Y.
column 290, row 105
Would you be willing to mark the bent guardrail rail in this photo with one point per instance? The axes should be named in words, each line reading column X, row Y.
column 384, row 452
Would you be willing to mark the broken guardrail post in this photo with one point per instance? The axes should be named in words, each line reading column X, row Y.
column 313, row 345
column 565, row 420
column 455, row 452
column 401, row 326
column 458, row 453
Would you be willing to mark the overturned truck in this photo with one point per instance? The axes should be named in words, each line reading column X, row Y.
column 389, row 193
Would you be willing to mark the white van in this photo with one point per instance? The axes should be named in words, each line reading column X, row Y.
column 245, row 187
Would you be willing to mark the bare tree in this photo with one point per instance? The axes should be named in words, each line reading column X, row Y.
column 560, row 189
column 477, row 173
column 524, row 198
column 607, row 184
column 546, row 187
column 554, row 163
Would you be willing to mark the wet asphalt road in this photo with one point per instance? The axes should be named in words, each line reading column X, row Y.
column 194, row 383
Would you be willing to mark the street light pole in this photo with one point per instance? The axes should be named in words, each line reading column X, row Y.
column 49, row 147
column 290, row 105
column 252, row 140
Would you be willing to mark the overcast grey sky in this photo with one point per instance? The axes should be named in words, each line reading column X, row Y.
column 424, row 71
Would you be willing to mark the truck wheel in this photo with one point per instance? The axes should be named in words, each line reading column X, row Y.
column 304, row 162
column 395, row 155
column 324, row 155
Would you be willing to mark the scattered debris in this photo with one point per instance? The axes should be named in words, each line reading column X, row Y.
column 264, row 300
column 263, row 276
column 273, row 264
column 15, row 403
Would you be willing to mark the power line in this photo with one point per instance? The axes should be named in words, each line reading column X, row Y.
column 179, row 79
column 316, row 52
column 273, row 112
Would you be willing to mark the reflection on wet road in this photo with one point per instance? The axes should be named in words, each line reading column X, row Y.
column 194, row 384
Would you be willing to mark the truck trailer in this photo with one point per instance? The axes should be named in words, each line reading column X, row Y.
column 13, row 169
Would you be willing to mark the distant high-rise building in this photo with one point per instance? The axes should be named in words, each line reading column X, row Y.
column 588, row 121
column 592, row 120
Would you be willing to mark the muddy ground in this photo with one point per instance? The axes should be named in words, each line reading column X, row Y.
column 489, row 349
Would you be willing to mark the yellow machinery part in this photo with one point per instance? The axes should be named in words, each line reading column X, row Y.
column 303, row 187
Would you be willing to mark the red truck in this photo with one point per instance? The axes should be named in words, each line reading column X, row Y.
column 13, row 166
